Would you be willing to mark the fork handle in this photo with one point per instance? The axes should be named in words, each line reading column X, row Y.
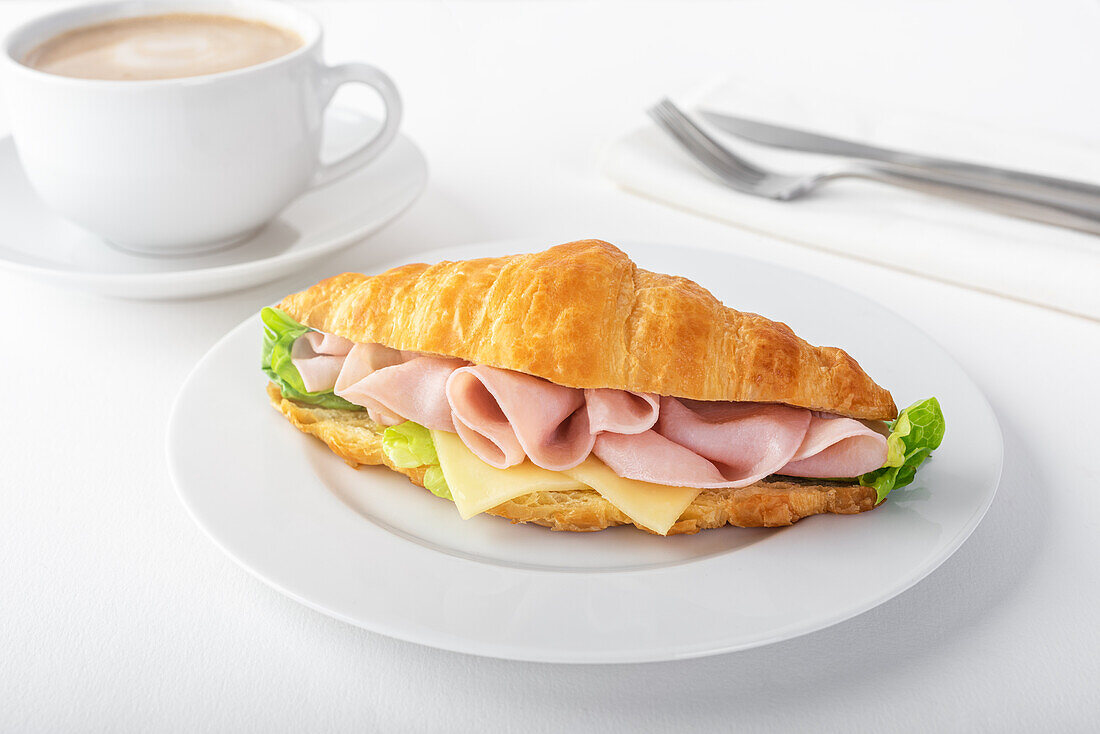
column 986, row 195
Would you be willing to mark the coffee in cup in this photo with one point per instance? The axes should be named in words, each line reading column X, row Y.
column 162, row 47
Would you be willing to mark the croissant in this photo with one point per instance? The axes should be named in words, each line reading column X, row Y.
column 583, row 316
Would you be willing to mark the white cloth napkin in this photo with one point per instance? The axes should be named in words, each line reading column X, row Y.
column 934, row 237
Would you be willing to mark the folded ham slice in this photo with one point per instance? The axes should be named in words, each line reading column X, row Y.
column 650, row 457
column 716, row 445
column 746, row 441
column 836, row 447
column 620, row 411
column 318, row 358
column 401, row 391
column 505, row 417
column 738, row 444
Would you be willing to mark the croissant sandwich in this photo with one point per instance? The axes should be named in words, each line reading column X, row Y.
column 572, row 389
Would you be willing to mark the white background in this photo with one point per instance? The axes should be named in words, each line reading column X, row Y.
column 117, row 613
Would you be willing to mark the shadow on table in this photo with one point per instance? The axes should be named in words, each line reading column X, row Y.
column 833, row 663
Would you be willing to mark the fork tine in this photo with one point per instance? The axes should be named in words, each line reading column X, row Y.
column 731, row 175
column 702, row 153
column 673, row 115
column 736, row 162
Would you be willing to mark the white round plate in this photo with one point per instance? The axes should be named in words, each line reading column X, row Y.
column 372, row 549
column 40, row 243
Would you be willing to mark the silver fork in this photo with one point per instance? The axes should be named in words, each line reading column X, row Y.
column 750, row 178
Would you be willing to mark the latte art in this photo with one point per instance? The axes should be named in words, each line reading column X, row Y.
column 162, row 47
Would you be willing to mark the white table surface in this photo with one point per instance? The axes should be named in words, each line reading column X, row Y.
column 117, row 613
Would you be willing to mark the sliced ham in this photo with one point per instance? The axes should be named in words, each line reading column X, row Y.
column 414, row 390
column 708, row 444
column 362, row 361
column 503, row 416
column 619, row 411
column 837, row 447
column 367, row 358
column 650, row 457
column 318, row 358
column 746, row 441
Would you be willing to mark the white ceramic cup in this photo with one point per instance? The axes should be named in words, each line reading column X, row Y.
column 180, row 166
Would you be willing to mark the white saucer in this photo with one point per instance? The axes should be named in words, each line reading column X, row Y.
column 373, row 549
column 38, row 242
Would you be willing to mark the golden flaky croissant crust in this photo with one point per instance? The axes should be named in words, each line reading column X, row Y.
column 353, row 436
column 583, row 315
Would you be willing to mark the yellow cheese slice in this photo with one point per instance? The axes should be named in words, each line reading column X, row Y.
column 654, row 506
column 477, row 487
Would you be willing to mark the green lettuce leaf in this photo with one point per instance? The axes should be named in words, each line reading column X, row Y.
column 436, row 483
column 913, row 436
column 410, row 445
column 280, row 331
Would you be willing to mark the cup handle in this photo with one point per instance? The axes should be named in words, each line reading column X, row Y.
column 334, row 77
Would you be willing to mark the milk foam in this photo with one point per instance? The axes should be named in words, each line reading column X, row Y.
column 162, row 47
